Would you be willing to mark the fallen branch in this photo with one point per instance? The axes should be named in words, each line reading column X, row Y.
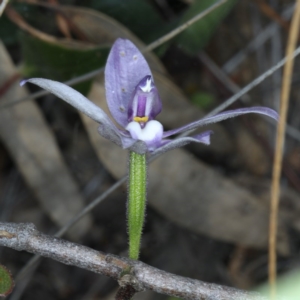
column 140, row 276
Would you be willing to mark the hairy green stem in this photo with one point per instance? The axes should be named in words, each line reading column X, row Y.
column 136, row 201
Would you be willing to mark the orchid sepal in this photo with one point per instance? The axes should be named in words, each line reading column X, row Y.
column 168, row 145
column 125, row 68
column 82, row 104
column 223, row 116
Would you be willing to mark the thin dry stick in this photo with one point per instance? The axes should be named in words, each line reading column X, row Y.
column 277, row 165
column 257, row 42
column 253, row 83
column 32, row 262
column 2, row 6
column 248, row 88
column 181, row 28
column 140, row 276
column 234, row 88
column 41, row 93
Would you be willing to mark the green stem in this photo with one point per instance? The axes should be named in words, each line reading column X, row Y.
column 136, row 201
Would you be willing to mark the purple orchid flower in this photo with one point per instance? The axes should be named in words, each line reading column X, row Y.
column 134, row 102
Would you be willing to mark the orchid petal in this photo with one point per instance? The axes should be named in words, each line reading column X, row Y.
column 203, row 138
column 81, row 103
column 124, row 69
column 151, row 134
column 223, row 116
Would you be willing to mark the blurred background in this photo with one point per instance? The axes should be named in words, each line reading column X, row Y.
column 208, row 206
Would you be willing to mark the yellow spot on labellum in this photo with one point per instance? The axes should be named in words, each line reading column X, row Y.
column 141, row 119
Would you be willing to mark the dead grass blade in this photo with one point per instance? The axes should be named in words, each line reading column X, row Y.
column 277, row 165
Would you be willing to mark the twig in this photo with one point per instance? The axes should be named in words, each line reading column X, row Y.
column 233, row 87
column 260, row 39
column 74, row 220
column 254, row 83
column 277, row 165
column 221, row 75
column 139, row 275
column 42, row 93
column 248, row 88
column 181, row 28
column 2, row 6
column 34, row 260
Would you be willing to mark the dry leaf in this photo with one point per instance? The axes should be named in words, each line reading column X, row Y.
column 32, row 145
